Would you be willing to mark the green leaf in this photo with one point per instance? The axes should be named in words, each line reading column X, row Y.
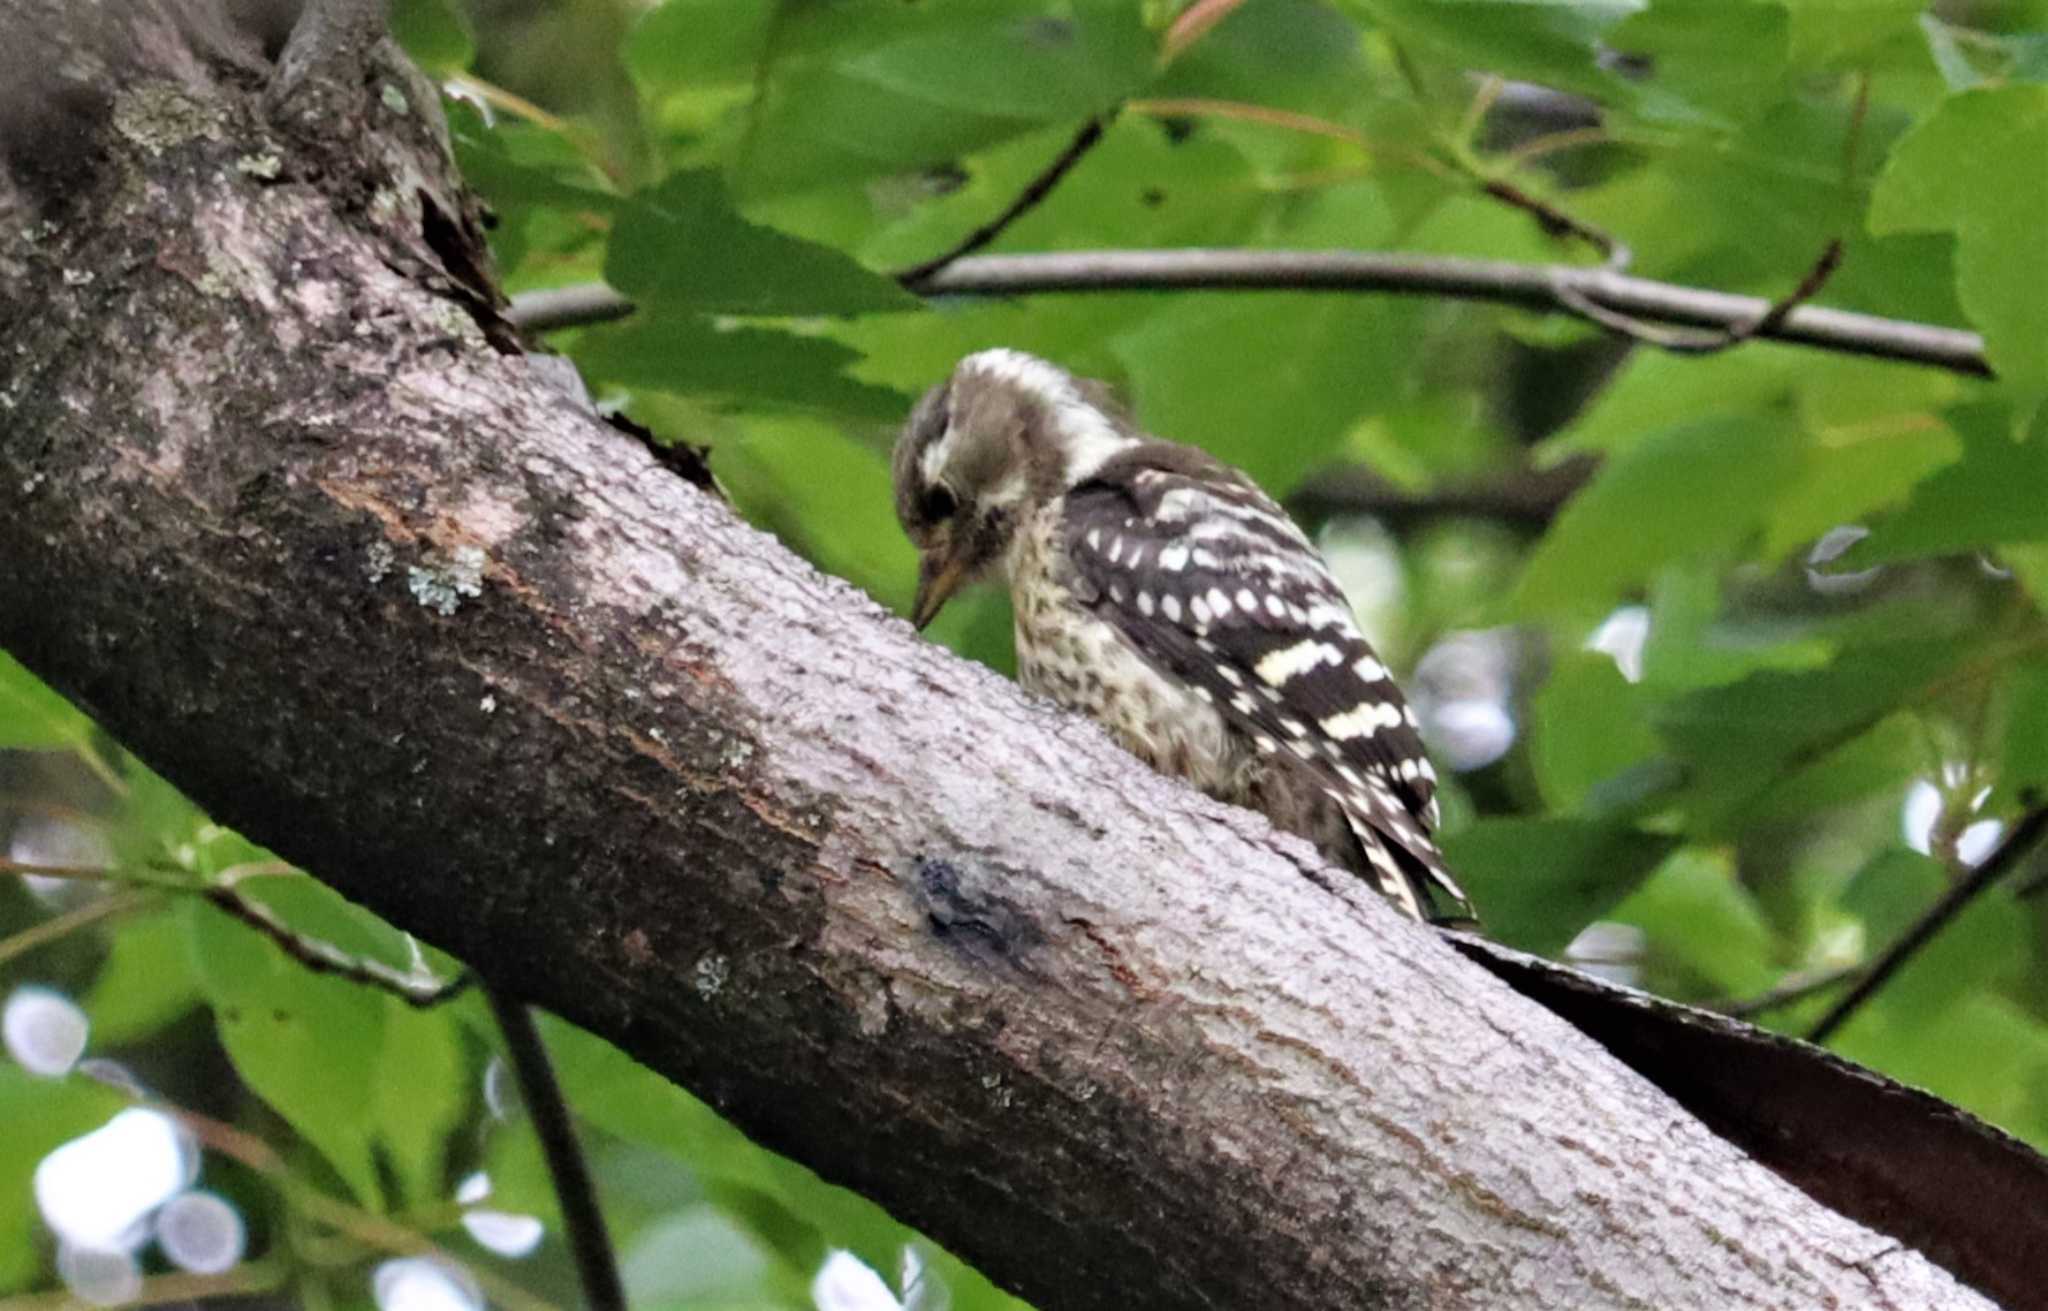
column 1721, row 59
column 1323, row 360
column 866, row 89
column 1286, row 54
column 734, row 366
column 1969, row 57
column 685, row 45
column 1854, row 473
column 515, row 165
column 41, row 1115
column 32, row 715
column 1873, row 763
column 682, row 246
column 699, row 1255
column 1992, row 496
column 358, row 1075
column 1695, row 490
column 828, row 497
column 2025, row 762
column 1538, row 882
column 1745, row 731
column 614, row 1092
column 1840, row 33
column 1706, row 936
column 433, row 34
column 146, row 982
column 1984, row 1054
column 1973, row 169
column 1656, row 392
column 1549, row 41
column 1889, row 893
column 306, row 1044
column 1591, row 724
column 421, row 1097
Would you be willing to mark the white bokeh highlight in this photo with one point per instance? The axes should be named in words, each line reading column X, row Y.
column 418, row 1283
column 99, row 1276
column 201, row 1233
column 506, row 1233
column 1622, row 636
column 1832, row 545
column 55, row 842
column 1922, row 811
column 97, row 1191
column 847, row 1283
column 44, row 1031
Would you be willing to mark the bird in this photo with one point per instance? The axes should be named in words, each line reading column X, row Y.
column 1160, row 592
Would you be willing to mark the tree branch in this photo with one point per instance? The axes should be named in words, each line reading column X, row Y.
column 2023, row 838
column 497, row 676
column 1542, row 287
column 1027, row 200
column 597, row 1269
column 1527, row 498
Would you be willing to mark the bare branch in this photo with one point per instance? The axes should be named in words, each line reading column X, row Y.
column 597, row 1269
column 1796, row 989
column 2020, row 841
column 1527, row 498
column 1686, row 341
column 1527, row 286
column 60, row 926
column 1027, row 200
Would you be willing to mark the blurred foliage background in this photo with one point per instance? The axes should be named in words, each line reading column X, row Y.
column 1736, row 660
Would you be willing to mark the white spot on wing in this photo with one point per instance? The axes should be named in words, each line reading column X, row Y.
column 1362, row 721
column 1288, row 662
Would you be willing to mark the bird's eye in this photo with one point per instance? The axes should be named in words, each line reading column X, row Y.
column 938, row 504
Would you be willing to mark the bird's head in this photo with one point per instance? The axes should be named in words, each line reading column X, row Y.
column 997, row 440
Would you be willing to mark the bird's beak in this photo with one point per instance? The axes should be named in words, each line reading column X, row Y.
column 938, row 577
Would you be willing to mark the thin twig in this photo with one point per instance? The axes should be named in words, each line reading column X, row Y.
column 59, row 926
column 1529, row 286
column 1192, row 24
column 1555, row 222
column 1027, row 200
column 1525, row 497
column 1687, row 341
column 575, row 1191
column 1289, row 120
column 250, row 1277
column 1799, row 988
column 365, row 1227
column 2017, row 844
column 1460, row 168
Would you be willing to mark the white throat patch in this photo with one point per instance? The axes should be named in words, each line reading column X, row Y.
column 1086, row 435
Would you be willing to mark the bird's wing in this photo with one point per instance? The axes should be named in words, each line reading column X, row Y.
column 1210, row 580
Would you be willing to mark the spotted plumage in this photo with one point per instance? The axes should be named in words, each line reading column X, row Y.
column 1162, row 593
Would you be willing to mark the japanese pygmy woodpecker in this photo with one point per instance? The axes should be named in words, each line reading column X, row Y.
column 1162, row 593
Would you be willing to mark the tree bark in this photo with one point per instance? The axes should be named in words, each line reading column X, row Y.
column 366, row 586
